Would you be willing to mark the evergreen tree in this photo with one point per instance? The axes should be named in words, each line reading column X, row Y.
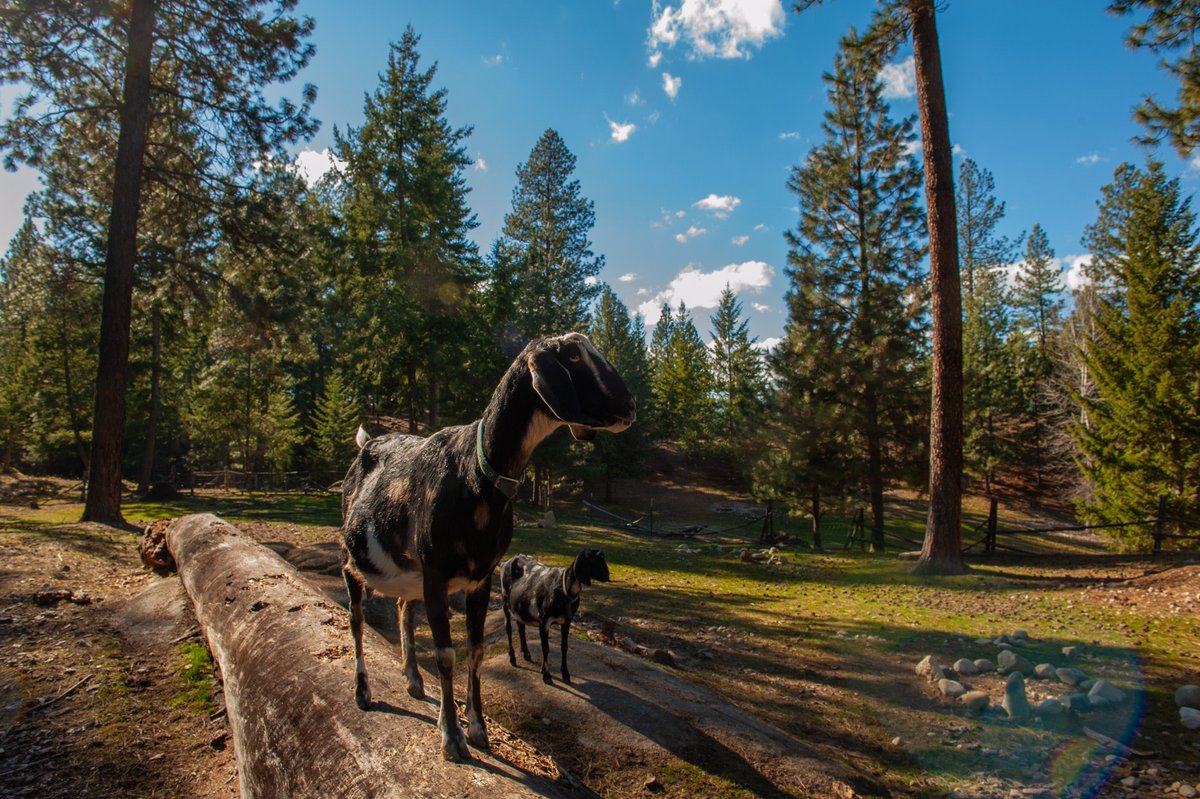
column 546, row 242
column 403, row 223
column 1139, row 429
column 990, row 403
column 739, row 385
column 204, row 64
column 681, row 380
column 855, row 291
column 334, row 424
column 1038, row 303
column 1172, row 25
column 622, row 341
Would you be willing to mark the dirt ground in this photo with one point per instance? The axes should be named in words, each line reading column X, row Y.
column 94, row 706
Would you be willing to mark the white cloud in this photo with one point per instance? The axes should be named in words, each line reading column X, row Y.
column 312, row 165
column 767, row 344
column 760, row 227
column 692, row 232
column 1091, row 159
column 698, row 289
column 717, row 28
column 634, row 98
column 1075, row 277
column 671, row 85
column 654, row 60
column 682, row 214
column 480, row 164
column 760, row 307
column 913, row 148
column 621, row 132
column 720, row 206
column 628, row 277
column 643, row 292
column 789, row 135
column 493, row 60
column 957, row 149
column 591, row 280
column 899, row 79
column 740, row 241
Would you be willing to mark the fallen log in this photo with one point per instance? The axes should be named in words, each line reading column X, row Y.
column 284, row 654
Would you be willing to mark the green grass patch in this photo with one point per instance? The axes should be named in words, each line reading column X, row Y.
column 195, row 674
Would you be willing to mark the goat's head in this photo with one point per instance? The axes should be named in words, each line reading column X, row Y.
column 590, row 565
column 579, row 386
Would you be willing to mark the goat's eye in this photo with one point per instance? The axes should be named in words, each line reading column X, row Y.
column 574, row 358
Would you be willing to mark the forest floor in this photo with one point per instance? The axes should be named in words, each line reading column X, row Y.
column 820, row 646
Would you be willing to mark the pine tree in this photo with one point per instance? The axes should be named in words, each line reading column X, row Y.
column 681, row 380
column 404, row 222
column 1139, row 433
column 739, row 385
column 622, row 341
column 854, row 256
column 334, row 424
column 990, row 404
column 205, row 65
column 1038, row 304
column 546, row 241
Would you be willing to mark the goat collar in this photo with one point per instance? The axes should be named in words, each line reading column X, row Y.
column 507, row 486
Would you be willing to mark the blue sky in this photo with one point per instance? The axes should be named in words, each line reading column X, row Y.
column 686, row 118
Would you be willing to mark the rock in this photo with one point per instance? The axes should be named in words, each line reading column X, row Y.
column 1015, row 702
column 1107, row 691
column 665, row 657
column 1098, row 702
column 1087, row 684
column 975, row 700
column 1186, row 791
column 984, row 665
column 896, row 741
column 1049, row 708
column 1007, row 647
column 628, row 644
column 1070, row 676
column 984, row 641
column 1190, row 717
column 1078, row 703
column 1002, row 638
column 1130, row 782
column 963, row 666
column 1188, row 696
column 1009, row 661
column 951, row 688
column 930, row 669
column 1068, row 652
column 1020, row 635
column 653, row 784
column 1044, row 671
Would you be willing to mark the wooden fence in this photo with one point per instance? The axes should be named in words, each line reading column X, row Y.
column 1160, row 523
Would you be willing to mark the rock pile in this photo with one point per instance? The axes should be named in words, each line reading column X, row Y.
column 1188, row 699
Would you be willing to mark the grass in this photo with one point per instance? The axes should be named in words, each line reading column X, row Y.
column 195, row 674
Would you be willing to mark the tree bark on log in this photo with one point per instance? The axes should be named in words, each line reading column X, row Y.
column 285, row 657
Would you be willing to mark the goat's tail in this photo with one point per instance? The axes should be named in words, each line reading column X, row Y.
column 361, row 437
column 510, row 572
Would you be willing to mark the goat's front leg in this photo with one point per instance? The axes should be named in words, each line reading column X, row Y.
column 544, row 633
column 454, row 743
column 408, row 648
column 566, row 635
column 362, row 692
column 524, row 644
column 512, row 656
column 477, row 607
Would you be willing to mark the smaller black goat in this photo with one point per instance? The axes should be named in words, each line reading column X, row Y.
column 542, row 595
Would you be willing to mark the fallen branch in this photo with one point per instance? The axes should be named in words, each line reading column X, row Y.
column 48, row 702
column 1112, row 743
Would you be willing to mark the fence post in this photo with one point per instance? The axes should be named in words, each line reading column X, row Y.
column 1160, row 523
column 989, row 541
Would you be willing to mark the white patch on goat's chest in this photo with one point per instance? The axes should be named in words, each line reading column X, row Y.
column 389, row 578
column 540, row 426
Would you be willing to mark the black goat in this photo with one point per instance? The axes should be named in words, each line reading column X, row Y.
column 423, row 518
column 543, row 595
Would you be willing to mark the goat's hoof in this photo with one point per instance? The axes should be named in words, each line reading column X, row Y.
column 416, row 690
column 362, row 694
column 512, row 659
column 566, row 678
column 546, row 678
column 527, row 656
column 454, row 748
column 477, row 735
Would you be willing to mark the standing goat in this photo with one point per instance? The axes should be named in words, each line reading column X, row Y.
column 423, row 518
column 543, row 595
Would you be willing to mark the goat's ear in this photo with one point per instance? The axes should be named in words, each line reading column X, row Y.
column 553, row 384
column 583, row 569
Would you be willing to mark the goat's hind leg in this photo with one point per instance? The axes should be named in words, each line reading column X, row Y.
column 408, row 648
column 354, row 588
column 524, row 644
column 477, row 607
column 566, row 636
column 544, row 633
column 512, row 655
column 454, row 743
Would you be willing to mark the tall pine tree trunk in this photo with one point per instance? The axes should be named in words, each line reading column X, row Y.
column 942, row 551
column 155, row 404
column 874, row 465
column 816, row 519
column 104, row 483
